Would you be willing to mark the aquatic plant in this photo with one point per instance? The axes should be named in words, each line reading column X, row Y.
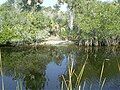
column 118, row 65
column 101, row 76
column 70, row 84
column 102, row 69
column 71, row 73
column 1, row 71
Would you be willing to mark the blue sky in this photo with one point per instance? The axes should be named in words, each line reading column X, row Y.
column 47, row 2
column 50, row 3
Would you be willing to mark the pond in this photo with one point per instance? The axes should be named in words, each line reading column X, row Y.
column 46, row 67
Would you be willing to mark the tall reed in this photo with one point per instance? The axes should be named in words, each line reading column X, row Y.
column 102, row 69
column 79, row 77
column 118, row 64
column 1, row 71
column 68, row 83
column 102, row 83
column 71, row 71
column 19, row 85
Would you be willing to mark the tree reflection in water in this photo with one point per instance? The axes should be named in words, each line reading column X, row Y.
column 53, row 73
column 42, row 69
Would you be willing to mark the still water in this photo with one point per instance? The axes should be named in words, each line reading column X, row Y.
column 41, row 68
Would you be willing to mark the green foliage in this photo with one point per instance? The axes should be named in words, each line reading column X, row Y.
column 96, row 19
column 21, row 26
column 93, row 19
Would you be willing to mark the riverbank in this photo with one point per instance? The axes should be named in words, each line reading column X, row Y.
column 56, row 40
column 52, row 40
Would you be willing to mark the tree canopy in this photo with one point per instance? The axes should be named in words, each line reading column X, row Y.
column 94, row 22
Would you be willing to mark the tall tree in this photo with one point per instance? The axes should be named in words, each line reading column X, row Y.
column 70, row 12
column 25, row 4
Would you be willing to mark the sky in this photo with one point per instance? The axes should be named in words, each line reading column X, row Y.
column 2, row 1
column 107, row 0
column 48, row 3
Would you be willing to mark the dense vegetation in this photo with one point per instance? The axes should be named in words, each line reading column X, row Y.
column 87, row 22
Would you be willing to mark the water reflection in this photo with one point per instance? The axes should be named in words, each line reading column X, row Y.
column 41, row 68
column 53, row 73
column 93, row 84
column 11, row 84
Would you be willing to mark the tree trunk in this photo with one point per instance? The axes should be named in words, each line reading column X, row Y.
column 87, row 42
column 107, row 42
column 70, row 17
column 95, row 41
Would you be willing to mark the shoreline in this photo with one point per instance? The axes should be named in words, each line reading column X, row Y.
column 50, row 41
